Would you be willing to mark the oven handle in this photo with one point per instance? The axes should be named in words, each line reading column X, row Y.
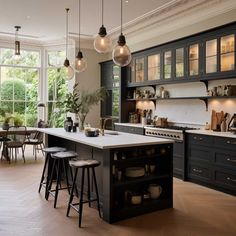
column 176, row 140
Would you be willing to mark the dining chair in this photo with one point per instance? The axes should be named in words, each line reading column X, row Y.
column 36, row 141
column 15, row 139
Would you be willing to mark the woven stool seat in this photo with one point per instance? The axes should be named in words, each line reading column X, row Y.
column 54, row 149
column 66, row 154
column 84, row 163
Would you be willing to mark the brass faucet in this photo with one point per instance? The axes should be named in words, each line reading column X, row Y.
column 103, row 122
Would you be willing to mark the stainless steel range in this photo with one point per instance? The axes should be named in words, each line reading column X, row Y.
column 176, row 133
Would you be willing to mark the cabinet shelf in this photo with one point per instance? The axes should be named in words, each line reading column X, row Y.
column 133, row 181
column 203, row 98
column 134, row 159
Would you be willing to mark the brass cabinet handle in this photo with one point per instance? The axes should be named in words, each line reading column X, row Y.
column 197, row 171
column 232, row 180
column 229, row 142
column 229, row 159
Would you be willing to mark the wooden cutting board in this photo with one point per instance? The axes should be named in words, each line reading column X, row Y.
column 216, row 119
column 213, row 120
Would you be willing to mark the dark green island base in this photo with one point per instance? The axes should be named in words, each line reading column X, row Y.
column 154, row 155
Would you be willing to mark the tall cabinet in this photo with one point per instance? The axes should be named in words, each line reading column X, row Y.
column 115, row 106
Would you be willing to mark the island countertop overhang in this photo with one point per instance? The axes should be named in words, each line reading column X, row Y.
column 107, row 141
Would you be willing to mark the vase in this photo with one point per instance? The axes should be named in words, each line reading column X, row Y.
column 68, row 123
column 81, row 122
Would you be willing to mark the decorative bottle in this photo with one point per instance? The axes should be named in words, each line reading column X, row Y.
column 68, row 124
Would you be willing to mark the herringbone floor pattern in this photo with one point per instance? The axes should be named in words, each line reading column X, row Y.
column 198, row 211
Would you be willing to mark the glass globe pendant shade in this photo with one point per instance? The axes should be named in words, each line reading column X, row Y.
column 80, row 63
column 102, row 43
column 69, row 71
column 121, row 54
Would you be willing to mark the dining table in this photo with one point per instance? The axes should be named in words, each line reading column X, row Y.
column 3, row 133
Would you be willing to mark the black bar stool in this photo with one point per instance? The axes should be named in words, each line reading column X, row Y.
column 83, row 164
column 60, row 160
column 48, row 151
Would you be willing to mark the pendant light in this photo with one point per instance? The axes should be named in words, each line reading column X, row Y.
column 17, row 42
column 69, row 70
column 102, row 43
column 80, row 63
column 121, row 54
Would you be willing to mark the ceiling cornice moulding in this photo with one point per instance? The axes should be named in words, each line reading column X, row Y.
column 176, row 10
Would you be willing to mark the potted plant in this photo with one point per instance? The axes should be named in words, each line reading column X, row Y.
column 15, row 120
column 80, row 102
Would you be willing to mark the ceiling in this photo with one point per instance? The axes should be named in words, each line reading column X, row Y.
column 44, row 20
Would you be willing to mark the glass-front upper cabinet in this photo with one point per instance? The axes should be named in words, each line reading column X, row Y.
column 179, row 62
column 211, row 56
column 137, row 70
column 193, row 60
column 154, row 66
column 167, row 64
column 227, row 53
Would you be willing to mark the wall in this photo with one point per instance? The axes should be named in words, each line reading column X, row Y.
column 190, row 111
column 89, row 80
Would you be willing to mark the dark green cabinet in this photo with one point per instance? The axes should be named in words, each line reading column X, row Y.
column 211, row 161
column 206, row 55
column 115, row 106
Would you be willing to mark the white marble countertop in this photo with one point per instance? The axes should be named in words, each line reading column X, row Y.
column 130, row 124
column 108, row 140
column 213, row 133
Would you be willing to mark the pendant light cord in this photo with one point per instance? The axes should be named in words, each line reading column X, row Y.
column 102, row 12
column 121, row 15
column 79, row 25
column 67, row 10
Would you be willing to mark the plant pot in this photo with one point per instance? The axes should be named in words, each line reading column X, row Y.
column 5, row 126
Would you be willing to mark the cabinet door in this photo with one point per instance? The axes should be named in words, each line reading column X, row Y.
column 111, row 81
column 167, row 65
column 193, row 60
column 211, row 60
column 227, row 53
column 137, row 70
column 154, row 67
column 179, row 63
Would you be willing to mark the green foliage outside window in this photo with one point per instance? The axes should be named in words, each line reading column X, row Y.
column 19, row 85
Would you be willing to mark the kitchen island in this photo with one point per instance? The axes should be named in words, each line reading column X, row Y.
column 118, row 183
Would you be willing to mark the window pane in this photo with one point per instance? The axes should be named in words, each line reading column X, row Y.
column 167, row 65
column 154, row 67
column 194, row 59
column 179, row 63
column 7, row 107
column 56, row 58
column 27, row 58
column 57, row 89
column 31, row 114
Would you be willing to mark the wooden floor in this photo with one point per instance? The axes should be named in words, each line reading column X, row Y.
column 23, row 211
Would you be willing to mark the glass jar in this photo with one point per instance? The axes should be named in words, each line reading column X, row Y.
column 68, row 123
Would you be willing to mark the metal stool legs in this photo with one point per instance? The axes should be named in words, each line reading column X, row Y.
column 81, row 200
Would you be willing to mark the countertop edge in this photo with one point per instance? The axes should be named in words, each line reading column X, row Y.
column 212, row 133
column 82, row 140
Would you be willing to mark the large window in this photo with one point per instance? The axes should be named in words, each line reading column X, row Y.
column 57, row 88
column 19, row 81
